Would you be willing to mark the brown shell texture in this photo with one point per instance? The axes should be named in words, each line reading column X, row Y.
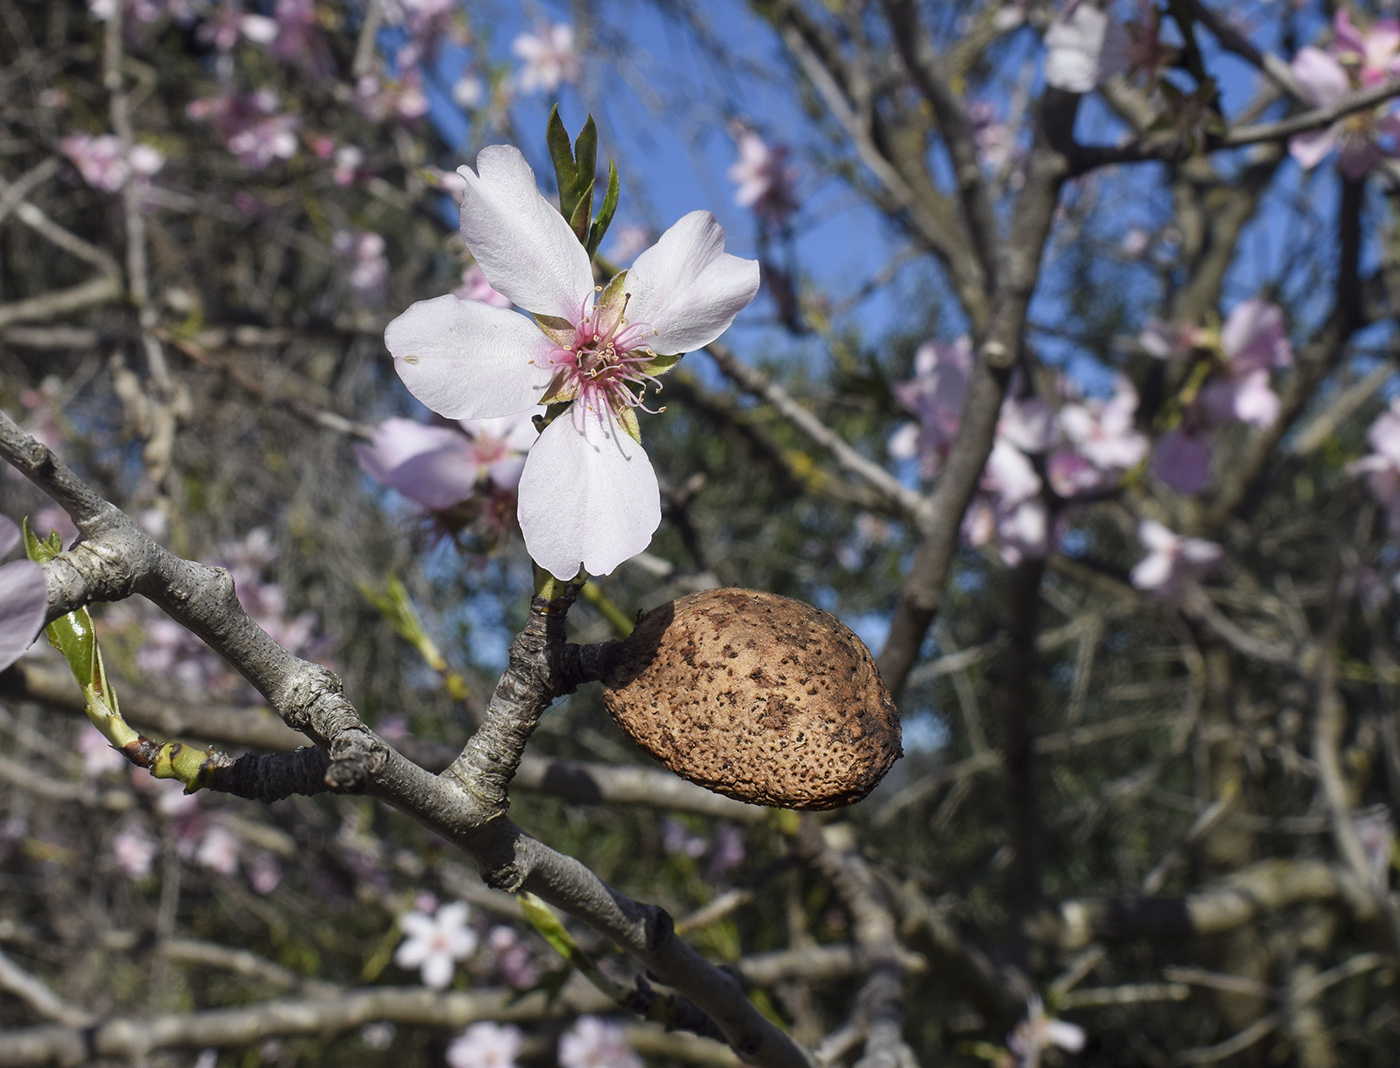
column 756, row 696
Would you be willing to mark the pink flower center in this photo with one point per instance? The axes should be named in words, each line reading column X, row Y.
column 606, row 364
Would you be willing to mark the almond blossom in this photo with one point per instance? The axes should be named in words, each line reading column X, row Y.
column 485, row 1045
column 549, row 57
column 588, row 494
column 24, row 598
column 766, row 182
column 595, row 1043
column 1173, row 563
column 1103, row 443
column 1037, row 1031
column 369, row 271
column 1084, row 48
column 1382, row 466
column 105, row 165
column 935, row 395
column 435, row 943
column 1355, row 60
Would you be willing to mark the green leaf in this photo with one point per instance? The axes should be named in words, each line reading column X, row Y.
column 606, row 212
column 552, row 931
column 586, row 153
column 661, row 364
column 578, row 221
column 565, row 170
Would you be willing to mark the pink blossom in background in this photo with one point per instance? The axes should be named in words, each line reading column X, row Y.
column 485, row 1045
column 1355, row 60
column 995, row 139
column 134, row 851
column 1103, row 442
column 300, row 39
column 1084, row 48
column 1173, row 563
column 24, row 597
column 588, row 495
column 935, row 396
column 450, row 182
column 379, row 99
column 469, row 92
column 1382, row 465
column 435, row 943
column 99, row 757
column 548, row 56
column 229, row 23
column 1182, row 459
column 369, row 267
column 1167, row 341
column 766, row 182
column 595, row 1043
column 1376, row 833
column 1253, row 343
column 218, row 850
column 475, row 287
column 264, row 873
column 348, row 160
column 252, row 126
column 511, row 958
column 105, row 165
column 1037, row 1032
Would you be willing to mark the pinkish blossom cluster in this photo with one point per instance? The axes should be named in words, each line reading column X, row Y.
column 1250, row 346
column 1173, row 563
column 548, row 58
column 1382, row 465
column 1091, row 444
column 253, row 126
column 466, row 474
column 1355, row 60
column 369, row 267
column 1038, row 1032
column 105, row 164
column 767, row 182
column 1087, row 45
column 485, row 1045
column 23, row 598
column 596, row 1043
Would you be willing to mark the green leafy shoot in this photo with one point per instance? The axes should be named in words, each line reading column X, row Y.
column 552, row 931
column 73, row 635
column 605, row 214
column 395, row 605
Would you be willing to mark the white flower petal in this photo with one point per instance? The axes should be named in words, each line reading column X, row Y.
column 437, row 970
column 686, row 288
column 588, row 495
column 522, row 244
column 467, row 360
column 23, row 605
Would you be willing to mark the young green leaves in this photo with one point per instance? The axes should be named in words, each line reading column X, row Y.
column 575, row 169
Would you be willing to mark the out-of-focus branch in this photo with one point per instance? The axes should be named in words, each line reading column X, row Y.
column 1169, row 146
column 832, row 852
column 998, row 350
column 926, row 67
column 116, row 558
column 34, row 993
column 131, row 1039
column 1238, row 899
column 906, row 501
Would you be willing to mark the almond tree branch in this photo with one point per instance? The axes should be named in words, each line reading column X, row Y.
column 115, row 558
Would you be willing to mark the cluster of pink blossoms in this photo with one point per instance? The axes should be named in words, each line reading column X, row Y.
column 465, row 475
column 105, row 164
column 767, row 182
column 1382, row 465
column 1250, row 346
column 1086, row 45
column 1354, row 60
column 1091, row 443
column 253, row 126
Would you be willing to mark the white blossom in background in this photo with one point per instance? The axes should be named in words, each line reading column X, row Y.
column 1173, row 563
column 369, row 267
column 1084, row 48
column 218, row 850
column 134, row 851
column 99, row 757
column 766, row 183
column 588, row 494
column 485, row 1045
column 105, row 165
column 23, row 597
column 1037, row 1032
column 548, row 56
column 595, row 1043
column 468, row 92
column 435, row 943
